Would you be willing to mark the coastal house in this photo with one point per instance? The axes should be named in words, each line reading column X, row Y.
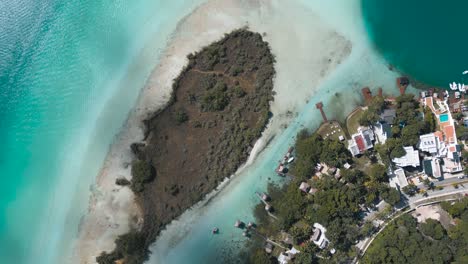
column 382, row 132
column 432, row 167
column 313, row 191
column 284, row 258
column 361, row 141
column 321, row 241
column 398, row 179
column 304, row 187
column 388, row 116
column 410, row 159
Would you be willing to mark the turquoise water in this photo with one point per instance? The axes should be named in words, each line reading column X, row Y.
column 425, row 39
column 444, row 118
column 69, row 73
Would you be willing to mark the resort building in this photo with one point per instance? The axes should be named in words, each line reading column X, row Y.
column 445, row 145
column 361, row 141
column 411, row 159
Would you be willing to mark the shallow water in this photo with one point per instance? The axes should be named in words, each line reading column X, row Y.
column 69, row 73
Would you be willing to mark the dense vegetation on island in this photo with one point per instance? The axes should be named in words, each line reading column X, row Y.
column 406, row 241
column 219, row 108
column 338, row 204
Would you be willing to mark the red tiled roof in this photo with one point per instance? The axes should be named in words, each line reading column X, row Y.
column 449, row 132
column 360, row 143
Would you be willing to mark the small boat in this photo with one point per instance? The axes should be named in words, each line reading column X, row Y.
column 215, row 230
column 291, row 159
column 463, row 88
column 453, row 87
column 465, row 72
column 239, row 224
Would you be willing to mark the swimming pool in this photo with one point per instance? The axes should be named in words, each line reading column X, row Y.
column 443, row 118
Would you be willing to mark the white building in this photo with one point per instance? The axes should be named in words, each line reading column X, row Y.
column 411, row 159
column 361, row 141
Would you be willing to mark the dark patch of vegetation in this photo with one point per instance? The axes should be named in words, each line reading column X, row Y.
column 310, row 149
column 216, row 98
column 142, row 173
column 131, row 247
column 122, row 182
column 181, row 116
column 406, row 241
column 372, row 114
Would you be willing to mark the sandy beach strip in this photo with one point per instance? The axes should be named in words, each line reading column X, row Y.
column 306, row 51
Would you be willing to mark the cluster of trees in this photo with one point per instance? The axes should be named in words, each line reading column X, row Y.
column 142, row 172
column 372, row 114
column 408, row 124
column 132, row 247
column 403, row 242
column 337, row 204
column 406, row 241
column 215, row 98
column 313, row 149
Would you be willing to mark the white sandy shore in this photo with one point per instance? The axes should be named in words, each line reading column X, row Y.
column 306, row 51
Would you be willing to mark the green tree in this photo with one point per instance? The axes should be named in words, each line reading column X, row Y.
column 378, row 173
column 433, row 229
column 391, row 196
column 305, row 258
column 410, row 189
column 430, row 120
column 368, row 118
column 216, row 98
column 334, row 153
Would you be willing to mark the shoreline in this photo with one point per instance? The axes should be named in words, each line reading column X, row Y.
column 112, row 210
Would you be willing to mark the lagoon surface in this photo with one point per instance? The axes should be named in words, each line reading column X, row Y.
column 424, row 39
column 70, row 72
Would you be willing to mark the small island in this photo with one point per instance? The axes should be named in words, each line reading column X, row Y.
column 219, row 107
column 372, row 188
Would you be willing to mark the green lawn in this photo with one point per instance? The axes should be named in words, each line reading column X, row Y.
column 352, row 122
column 328, row 128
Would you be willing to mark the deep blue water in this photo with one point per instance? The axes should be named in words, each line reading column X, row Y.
column 424, row 39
